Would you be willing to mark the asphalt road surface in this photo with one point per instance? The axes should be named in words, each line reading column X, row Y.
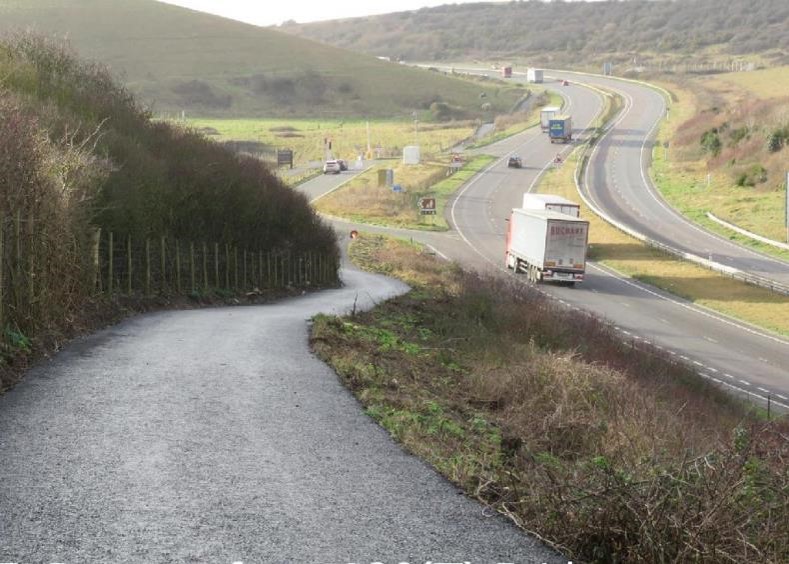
column 746, row 360
column 215, row 436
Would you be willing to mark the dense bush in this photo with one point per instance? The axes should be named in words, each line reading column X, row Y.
column 162, row 180
column 568, row 31
column 711, row 142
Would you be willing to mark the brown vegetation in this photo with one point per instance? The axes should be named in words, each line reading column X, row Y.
column 606, row 448
column 566, row 32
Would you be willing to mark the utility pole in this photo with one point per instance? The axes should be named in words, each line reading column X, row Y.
column 369, row 147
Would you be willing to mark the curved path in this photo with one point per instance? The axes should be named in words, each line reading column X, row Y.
column 215, row 435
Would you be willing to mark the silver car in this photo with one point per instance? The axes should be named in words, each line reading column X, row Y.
column 333, row 167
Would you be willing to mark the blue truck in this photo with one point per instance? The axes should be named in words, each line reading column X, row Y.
column 560, row 129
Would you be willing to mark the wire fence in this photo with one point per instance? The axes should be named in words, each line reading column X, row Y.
column 167, row 266
column 48, row 273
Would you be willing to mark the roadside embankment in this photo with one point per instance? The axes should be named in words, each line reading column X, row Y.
column 606, row 448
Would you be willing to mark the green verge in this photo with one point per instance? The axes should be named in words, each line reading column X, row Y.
column 684, row 185
column 631, row 257
column 607, row 450
column 363, row 201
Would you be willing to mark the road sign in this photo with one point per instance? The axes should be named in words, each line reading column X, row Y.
column 427, row 206
column 285, row 157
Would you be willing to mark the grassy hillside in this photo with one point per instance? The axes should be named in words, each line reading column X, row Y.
column 735, row 128
column 180, row 59
column 569, row 33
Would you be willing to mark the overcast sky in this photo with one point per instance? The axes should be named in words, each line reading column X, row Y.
column 271, row 12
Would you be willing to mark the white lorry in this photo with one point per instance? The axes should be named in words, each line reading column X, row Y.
column 546, row 115
column 551, row 202
column 534, row 75
column 547, row 246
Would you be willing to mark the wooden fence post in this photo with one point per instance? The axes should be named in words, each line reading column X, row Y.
column 2, row 274
column 216, row 265
column 17, row 285
column 268, row 270
column 129, row 265
column 244, row 279
column 110, row 271
column 227, row 266
column 177, row 266
column 31, row 263
column 147, row 267
column 205, row 266
column 192, row 265
column 235, row 267
column 164, row 265
column 96, row 245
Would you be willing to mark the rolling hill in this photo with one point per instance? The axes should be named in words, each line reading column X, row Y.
column 570, row 33
column 177, row 59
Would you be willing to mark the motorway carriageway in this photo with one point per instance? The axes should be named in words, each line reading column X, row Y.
column 745, row 359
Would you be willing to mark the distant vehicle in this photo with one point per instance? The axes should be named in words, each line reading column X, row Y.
column 565, row 83
column 546, row 114
column 332, row 167
column 343, row 164
column 551, row 202
column 506, row 72
column 547, row 246
column 534, row 75
column 515, row 162
column 560, row 129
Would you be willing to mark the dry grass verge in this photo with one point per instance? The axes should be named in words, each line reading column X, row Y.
column 363, row 201
column 612, row 453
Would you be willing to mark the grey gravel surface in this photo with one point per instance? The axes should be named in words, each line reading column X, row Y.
column 216, row 436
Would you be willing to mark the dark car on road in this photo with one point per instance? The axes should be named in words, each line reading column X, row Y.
column 514, row 162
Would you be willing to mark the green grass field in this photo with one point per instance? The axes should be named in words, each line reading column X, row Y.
column 178, row 59
column 348, row 137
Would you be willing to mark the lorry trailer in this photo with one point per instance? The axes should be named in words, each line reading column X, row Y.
column 534, row 75
column 560, row 128
column 547, row 246
column 551, row 202
column 506, row 72
column 546, row 114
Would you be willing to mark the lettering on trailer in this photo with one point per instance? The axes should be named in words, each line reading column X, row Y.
column 567, row 230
